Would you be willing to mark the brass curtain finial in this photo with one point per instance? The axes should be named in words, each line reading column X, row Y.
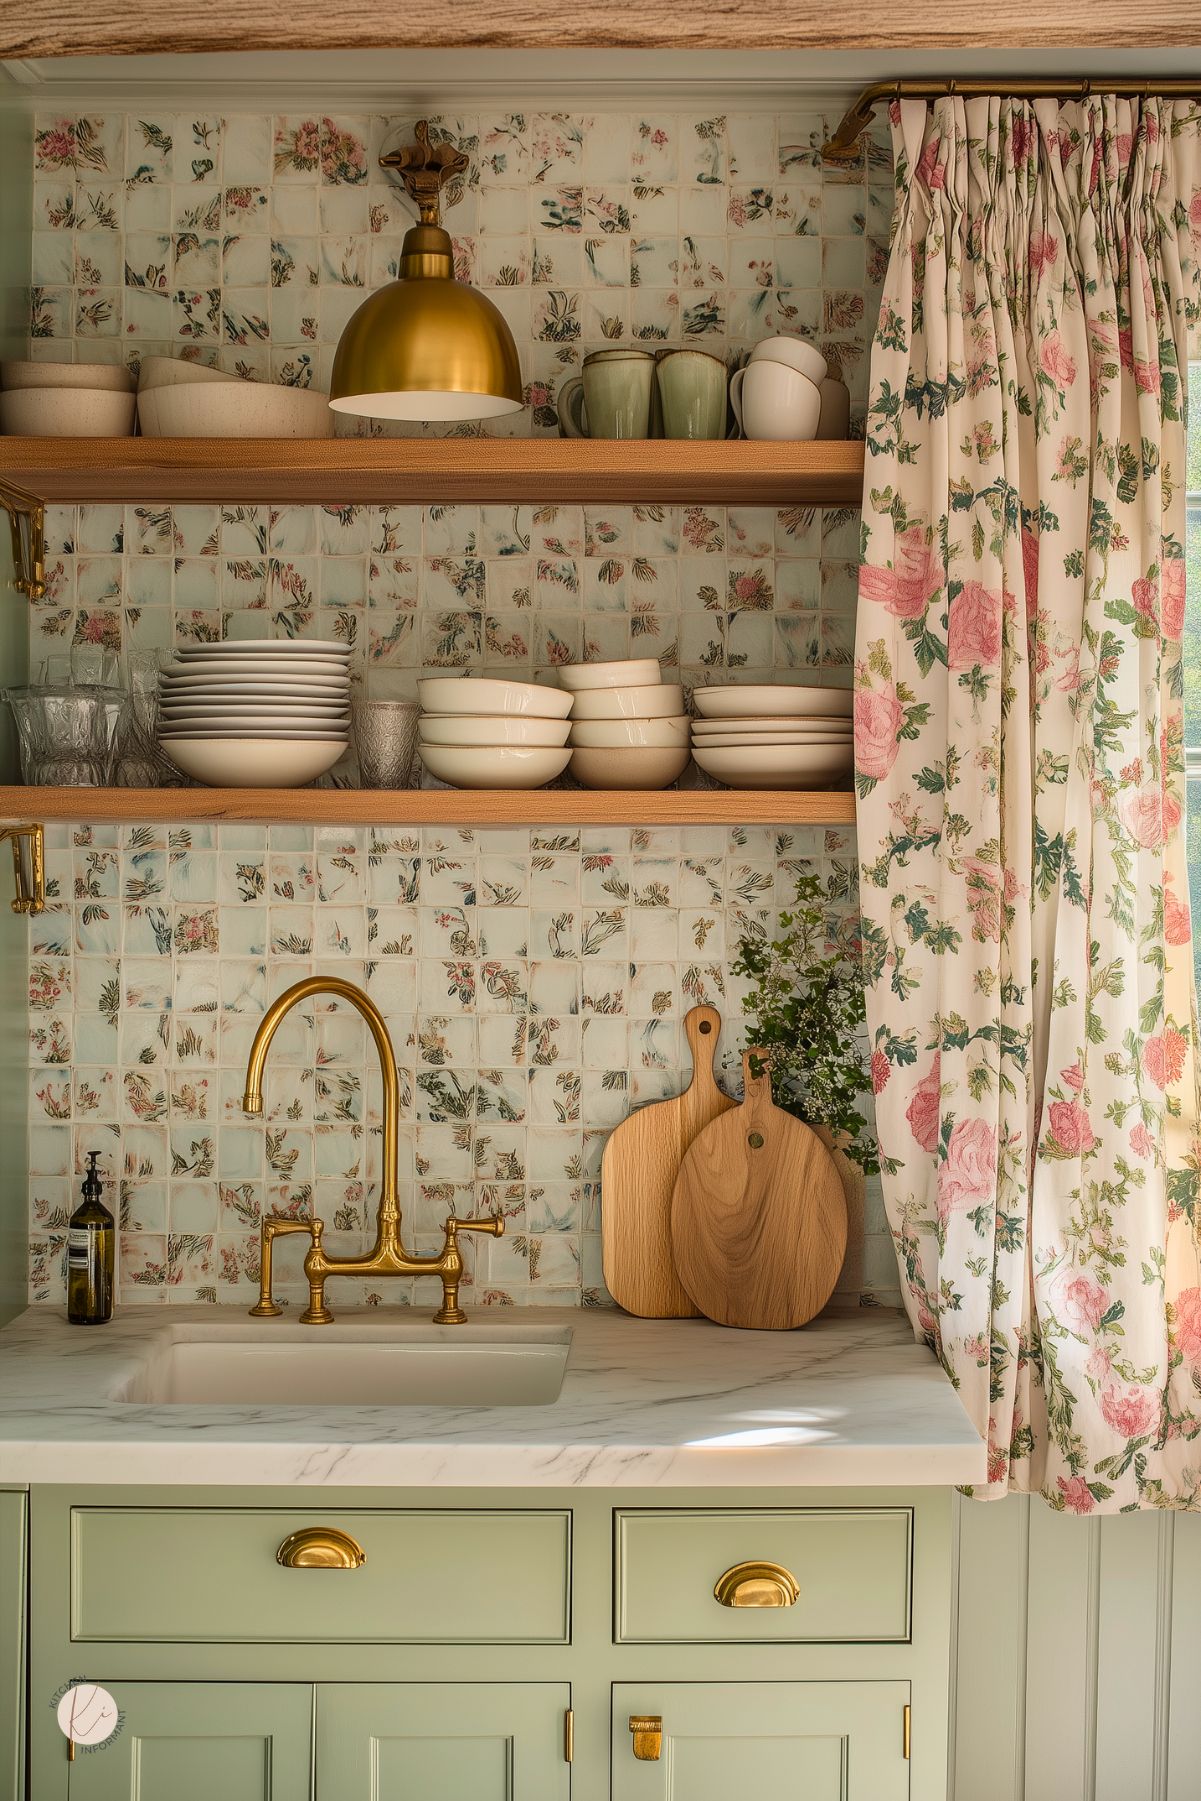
column 425, row 169
column 843, row 145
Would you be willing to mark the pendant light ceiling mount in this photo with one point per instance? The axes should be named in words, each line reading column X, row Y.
column 426, row 347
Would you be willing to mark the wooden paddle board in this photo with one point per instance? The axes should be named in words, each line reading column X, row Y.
column 638, row 1172
column 758, row 1214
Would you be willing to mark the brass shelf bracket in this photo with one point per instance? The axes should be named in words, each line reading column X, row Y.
column 844, row 146
column 31, row 893
column 27, row 519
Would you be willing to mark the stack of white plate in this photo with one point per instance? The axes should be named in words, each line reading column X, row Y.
column 483, row 732
column 773, row 735
column 628, row 726
column 256, row 712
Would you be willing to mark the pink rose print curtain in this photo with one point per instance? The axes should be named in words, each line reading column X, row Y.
column 1019, row 770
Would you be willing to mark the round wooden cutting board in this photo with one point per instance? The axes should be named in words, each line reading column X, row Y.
column 758, row 1214
column 638, row 1172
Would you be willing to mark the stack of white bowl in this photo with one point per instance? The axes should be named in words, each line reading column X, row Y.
column 66, row 400
column 773, row 735
column 484, row 732
column 628, row 726
column 178, row 399
column 256, row 712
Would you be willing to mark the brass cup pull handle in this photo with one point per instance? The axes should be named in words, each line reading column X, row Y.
column 647, row 1729
column 757, row 1585
column 320, row 1548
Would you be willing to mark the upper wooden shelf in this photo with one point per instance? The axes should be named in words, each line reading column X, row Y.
column 452, row 807
column 415, row 471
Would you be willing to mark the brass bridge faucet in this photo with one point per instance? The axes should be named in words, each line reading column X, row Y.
column 388, row 1256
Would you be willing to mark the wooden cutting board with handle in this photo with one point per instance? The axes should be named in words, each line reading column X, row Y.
column 638, row 1172
column 758, row 1215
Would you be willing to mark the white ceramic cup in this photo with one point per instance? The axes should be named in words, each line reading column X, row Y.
column 771, row 400
column 795, row 353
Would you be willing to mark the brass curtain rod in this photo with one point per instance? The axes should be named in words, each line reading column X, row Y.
column 843, row 147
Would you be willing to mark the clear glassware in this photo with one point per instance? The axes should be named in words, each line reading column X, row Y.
column 66, row 735
column 385, row 736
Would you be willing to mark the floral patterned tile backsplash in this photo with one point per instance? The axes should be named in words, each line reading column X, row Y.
column 248, row 240
column 534, row 984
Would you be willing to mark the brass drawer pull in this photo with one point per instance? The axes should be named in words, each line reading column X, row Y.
column 757, row 1585
column 647, row 1729
column 320, row 1548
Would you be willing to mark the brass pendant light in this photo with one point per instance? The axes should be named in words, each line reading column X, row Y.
column 426, row 346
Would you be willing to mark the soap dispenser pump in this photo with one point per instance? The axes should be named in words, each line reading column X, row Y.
column 91, row 1254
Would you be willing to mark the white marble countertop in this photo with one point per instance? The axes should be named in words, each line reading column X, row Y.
column 851, row 1400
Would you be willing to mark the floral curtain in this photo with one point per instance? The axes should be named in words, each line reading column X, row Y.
column 1019, row 768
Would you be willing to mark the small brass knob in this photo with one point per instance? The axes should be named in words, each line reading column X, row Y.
column 320, row 1548
column 647, row 1729
column 757, row 1585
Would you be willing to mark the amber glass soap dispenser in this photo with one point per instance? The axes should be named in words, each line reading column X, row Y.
column 91, row 1255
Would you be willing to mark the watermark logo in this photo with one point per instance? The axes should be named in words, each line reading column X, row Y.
column 87, row 1714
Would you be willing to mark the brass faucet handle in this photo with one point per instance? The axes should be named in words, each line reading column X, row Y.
column 450, row 1267
column 494, row 1225
column 268, row 1307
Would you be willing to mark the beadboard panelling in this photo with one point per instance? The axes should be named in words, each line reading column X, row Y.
column 1078, row 1661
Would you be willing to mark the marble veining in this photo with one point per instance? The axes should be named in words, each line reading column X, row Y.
column 852, row 1400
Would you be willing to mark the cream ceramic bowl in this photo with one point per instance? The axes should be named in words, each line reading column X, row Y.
column 481, row 695
column 112, row 378
column 770, row 700
column 665, row 701
column 795, row 766
column 493, row 766
column 66, row 413
column 628, row 768
column 254, row 762
column 794, row 353
column 831, row 727
column 174, row 371
column 616, row 734
column 759, row 740
column 232, row 408
column 464, row 730
column 634, row 672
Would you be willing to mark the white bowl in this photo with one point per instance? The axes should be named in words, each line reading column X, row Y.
column 796, row 766
column 112, row 378
column 254, row 762
column 493, row 766
column 464, row 729
column 831, row 726
column 174, row 371
column 794, row 353
column 613, row 734
column 770, row 699
column 629, row 768
column 481, row 695
column 234, row 409
column 66, row 413
column 634, row 672
column 758, row 740
column 665, row 701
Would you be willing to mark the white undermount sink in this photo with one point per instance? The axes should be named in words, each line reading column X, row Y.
column 292, row 1366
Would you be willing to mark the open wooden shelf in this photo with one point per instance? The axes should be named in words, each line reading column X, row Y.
column 417, row 471
column 564, row 807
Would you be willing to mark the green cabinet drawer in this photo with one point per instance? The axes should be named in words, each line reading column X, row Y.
column 198, row 1575
column 850, row 1568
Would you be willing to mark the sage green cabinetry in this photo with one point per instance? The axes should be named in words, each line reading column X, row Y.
column 449, row 1662
column 816, row 1741
column 13, row 1557
column 201, row 1741
column 423, row 1741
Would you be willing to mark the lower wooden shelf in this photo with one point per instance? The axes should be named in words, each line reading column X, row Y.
column 565, row 807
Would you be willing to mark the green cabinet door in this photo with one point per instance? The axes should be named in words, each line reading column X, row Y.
column 13, row 1549
column 792, row 1741
column 202, row 1741
column 442, row 1741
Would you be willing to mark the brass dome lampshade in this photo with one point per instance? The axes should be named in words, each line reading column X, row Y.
column 426, row 346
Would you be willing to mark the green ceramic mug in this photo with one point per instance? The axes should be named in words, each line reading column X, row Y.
column 692, row 392
column 612, row 399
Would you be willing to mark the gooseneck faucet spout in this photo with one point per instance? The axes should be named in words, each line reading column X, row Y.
column 388, row 1256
